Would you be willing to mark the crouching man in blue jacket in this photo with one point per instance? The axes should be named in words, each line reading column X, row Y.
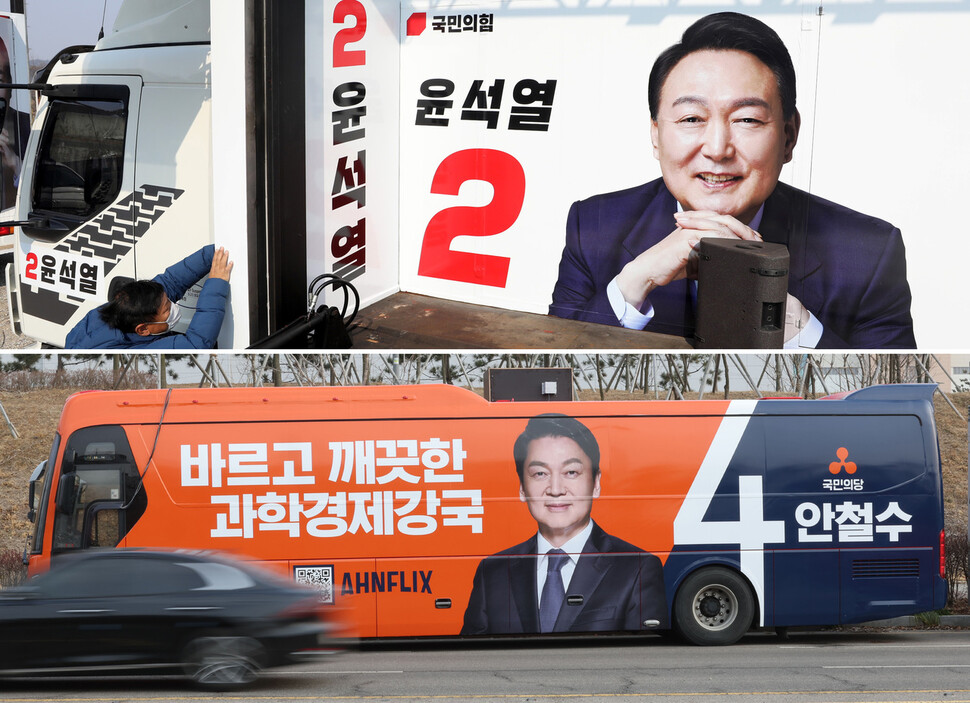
column 142, row 313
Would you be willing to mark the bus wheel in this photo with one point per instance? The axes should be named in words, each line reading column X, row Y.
column 713, row 606
column 222, row 663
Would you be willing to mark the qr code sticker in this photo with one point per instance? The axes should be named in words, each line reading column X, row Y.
column 320, row 577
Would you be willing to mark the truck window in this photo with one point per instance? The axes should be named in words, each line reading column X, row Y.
column 80, row 157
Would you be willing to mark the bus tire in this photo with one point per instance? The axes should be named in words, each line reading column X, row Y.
column 222, row 662
column 713, row 606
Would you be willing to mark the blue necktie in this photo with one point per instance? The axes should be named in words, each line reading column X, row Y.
column 553, row 592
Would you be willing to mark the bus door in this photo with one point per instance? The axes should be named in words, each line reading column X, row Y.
column 76, row 199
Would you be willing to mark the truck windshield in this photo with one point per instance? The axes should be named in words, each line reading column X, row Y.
column 80, row 157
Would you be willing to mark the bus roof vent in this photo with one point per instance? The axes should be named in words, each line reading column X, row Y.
column 890, row 391
column 158, row 22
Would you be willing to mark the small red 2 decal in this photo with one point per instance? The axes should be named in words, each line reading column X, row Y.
column 30, row 271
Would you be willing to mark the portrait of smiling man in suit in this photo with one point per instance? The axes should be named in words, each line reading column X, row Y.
column 571, row 575
column 723, row 123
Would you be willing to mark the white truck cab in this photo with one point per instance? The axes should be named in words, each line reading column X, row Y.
column 117, row 176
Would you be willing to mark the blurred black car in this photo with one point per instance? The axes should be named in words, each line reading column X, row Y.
column 219, row 620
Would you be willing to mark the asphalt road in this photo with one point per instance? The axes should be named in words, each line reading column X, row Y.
column 871, row 667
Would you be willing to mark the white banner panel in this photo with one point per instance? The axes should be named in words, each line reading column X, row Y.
column 510, row 112
column 352, row 57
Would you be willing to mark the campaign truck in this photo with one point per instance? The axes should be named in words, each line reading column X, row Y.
column 416, row 149
column 117, row 176
column 428, row 511
column 169, row 133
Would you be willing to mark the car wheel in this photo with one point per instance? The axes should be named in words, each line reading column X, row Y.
column 713, row 606
column 222, row 662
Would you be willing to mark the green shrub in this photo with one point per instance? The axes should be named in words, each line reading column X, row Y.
column 956, row 568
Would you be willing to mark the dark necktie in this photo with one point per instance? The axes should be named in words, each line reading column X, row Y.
column 553, row 592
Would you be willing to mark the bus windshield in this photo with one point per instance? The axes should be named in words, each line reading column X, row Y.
column 97, row 480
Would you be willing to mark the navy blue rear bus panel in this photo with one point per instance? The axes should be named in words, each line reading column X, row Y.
column 852, row 512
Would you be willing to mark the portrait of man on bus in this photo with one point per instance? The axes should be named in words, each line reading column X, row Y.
column 571, row 575
column 723, row 123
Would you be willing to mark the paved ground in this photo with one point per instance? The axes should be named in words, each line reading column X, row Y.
column 9, row 340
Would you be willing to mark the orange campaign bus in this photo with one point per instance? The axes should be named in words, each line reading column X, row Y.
column 428, row 511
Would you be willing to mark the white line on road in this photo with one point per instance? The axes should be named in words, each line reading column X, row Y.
column 899, row 666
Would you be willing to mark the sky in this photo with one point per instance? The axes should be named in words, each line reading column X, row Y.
column 55, row 24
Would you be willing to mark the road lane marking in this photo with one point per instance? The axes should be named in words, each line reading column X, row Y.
column 897, row 666
column 844, row 697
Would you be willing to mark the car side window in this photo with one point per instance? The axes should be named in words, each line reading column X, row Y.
column 113, row 578
column 149, row 576
column 88, row 579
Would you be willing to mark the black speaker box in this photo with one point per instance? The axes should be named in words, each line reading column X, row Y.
column 741, row 292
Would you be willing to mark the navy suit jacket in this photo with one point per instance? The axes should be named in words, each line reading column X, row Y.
column 621, row 586
column 847, row 268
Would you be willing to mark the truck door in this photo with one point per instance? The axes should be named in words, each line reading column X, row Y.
column 78, row 197
column 173, row 180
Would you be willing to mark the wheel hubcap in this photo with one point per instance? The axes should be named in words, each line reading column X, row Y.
column 715, row 607
column 710, row 607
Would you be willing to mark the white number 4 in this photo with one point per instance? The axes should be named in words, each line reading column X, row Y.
column 751, row 532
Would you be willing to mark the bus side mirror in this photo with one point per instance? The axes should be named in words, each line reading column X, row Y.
column 67, row 493
column 35, row 478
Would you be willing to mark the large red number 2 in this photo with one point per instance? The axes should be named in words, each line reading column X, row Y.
column 505, row 174
column 341, row 56
column 30, row 270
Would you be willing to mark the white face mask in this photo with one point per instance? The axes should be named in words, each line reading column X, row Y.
column 174, row 315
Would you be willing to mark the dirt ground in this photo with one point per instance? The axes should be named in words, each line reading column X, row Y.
column 9, row 340
column 35, row 413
